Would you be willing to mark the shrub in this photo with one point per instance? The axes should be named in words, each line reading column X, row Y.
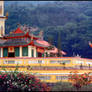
column 21, row 82
column 79, row 80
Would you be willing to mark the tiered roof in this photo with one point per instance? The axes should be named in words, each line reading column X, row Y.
column 20, row 38
column 18, row 33
column 16, row 42
column 24, row 38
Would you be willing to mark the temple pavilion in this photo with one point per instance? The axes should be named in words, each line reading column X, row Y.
column 22, row 43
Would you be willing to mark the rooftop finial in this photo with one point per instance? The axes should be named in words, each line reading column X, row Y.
column 41, row 35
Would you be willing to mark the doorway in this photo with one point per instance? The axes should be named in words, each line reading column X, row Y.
column 11, row 54
column 39, row 54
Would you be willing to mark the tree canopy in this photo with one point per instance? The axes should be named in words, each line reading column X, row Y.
column 72, row 19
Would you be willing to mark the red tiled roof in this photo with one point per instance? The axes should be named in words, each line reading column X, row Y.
column 16, row 42
column 18, row 30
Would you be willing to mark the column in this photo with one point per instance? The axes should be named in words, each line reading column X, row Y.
column 34, row 51
column 29, row 51
column 20, row 51
column 1, row 52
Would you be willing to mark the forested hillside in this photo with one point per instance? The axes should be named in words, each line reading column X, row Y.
column 72, row 20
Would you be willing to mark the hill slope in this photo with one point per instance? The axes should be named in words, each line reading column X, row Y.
column 71, row 19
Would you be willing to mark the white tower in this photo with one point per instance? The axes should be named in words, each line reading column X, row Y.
column 2, row 19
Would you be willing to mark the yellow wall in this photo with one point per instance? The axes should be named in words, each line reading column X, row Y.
column 26, row 63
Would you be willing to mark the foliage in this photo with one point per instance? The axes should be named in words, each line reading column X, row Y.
column 79, row 80
column 72, row 19
column 21, row 82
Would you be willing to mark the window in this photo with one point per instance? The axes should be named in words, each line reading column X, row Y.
column 33, row 61
column 60, row 61
column 24, row 51
column 61, row 77
column 9, row 62
column 39, row 61
column 44, row 77
column 32, row 52
column 18, row 62
column 5, row 52
column 17, row 51
column 36, row 61
column 79, row 62
column 64, row 61
column 12, row 62
column 53, row 61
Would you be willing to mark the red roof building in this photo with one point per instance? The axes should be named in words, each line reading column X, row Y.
column 22, row 43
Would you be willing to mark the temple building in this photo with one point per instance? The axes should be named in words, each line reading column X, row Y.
column 22, row 43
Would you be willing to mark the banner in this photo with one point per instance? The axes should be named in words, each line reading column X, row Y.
column 10, row 49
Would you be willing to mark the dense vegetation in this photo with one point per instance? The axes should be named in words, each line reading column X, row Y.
column 21, row 82
column 71, row 19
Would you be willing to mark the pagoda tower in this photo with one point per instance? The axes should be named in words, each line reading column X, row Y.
column 2, row 19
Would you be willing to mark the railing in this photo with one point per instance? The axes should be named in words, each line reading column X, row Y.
column 49, row 63
column 47, row 68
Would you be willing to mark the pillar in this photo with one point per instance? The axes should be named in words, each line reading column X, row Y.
column 1, row 52
column 29, row 51
column 20, row 51
column 34, row 51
